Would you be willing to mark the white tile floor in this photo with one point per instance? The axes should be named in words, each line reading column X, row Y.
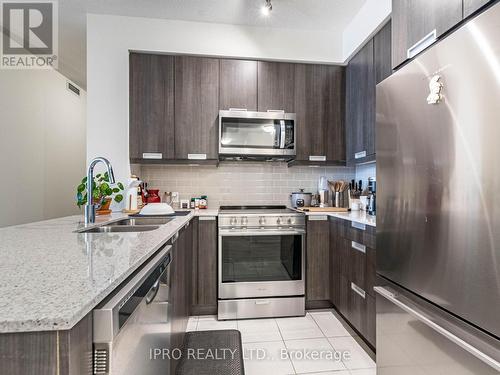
column 281, row 346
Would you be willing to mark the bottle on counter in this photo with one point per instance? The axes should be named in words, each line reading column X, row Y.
column 196, row 203
column 203, row 202
column 191, row 204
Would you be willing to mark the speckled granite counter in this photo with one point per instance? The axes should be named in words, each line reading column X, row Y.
column 51, row 277
column 357, row 216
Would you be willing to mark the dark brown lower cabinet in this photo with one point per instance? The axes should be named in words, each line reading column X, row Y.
column 205, row 267
column 180, row 283
column 66, row 352
column 352, row 265
column 317, row 262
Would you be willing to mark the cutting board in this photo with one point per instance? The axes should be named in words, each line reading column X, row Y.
column 323, row 209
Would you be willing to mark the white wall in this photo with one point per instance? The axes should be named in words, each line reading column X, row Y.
column 370, row 18
column 109, row 39
column 42, row 146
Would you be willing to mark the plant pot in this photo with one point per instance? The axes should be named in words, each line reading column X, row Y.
column 104, row 209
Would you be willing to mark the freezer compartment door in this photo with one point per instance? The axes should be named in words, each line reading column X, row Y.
column 417, row 338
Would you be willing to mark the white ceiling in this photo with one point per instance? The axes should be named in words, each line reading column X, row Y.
column 325, row 15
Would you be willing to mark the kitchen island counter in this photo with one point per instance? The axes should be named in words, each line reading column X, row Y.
column 51, row 276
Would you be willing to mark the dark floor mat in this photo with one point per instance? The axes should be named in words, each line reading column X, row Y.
column 212, row 353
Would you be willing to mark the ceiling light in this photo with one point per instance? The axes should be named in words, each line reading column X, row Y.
column 267, row 8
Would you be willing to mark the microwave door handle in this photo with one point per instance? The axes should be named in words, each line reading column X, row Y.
column 282, row 134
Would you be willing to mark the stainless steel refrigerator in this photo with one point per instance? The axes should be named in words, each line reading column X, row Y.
column 438, row 219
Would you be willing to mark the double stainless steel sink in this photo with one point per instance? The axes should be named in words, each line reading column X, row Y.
column 136, row 224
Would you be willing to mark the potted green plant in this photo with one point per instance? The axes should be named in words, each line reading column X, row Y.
column 103, row 193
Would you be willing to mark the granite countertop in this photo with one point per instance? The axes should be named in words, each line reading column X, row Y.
column 360, row 217
column 51, row 277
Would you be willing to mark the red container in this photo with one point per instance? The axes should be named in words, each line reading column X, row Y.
column 153, row 196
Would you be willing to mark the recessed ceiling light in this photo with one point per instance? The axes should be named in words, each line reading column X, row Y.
column 267, row 8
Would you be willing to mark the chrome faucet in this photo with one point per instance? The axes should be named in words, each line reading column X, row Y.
column 90, row 206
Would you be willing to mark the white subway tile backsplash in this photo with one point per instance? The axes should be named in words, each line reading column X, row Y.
column 239, row 183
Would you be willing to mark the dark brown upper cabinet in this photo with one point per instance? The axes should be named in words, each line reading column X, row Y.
column 360, row 106
column 196, row 107
column 382, row 53
column 470, row 6
column 275, row 86
column 320, row 112
column 151, row 106
column 238, row 84
column 413, row 20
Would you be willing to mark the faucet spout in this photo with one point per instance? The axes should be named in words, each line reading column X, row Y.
column 90, row 206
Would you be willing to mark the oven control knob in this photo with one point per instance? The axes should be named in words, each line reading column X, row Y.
column 262, row 220
column 290, row 221
column 278, row 221
column 244, row 221
column 233, row 221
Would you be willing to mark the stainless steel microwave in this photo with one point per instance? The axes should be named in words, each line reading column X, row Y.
column 256, row 135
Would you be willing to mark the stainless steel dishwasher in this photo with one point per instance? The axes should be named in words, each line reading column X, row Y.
column 132, row 327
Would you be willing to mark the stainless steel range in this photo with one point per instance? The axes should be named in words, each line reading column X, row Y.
column 261, row 262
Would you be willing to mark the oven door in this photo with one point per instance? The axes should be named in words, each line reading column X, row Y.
column 261, row 263
column 256, row 133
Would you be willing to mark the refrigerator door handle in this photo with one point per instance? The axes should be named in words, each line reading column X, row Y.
column 393, row 297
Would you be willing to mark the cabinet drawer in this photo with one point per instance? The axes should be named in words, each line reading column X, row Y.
column 363, row 234
column 370, row 320
column 362, row 313
column 357, row 263
column 357, row 306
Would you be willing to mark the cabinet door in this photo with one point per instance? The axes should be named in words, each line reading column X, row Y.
column 470, row 6
column 360, row 106
column 238, row 84
column 317, row 259
column 275, row 86
column 382, row 53
column 196, row 106
column 412, row 20
column 206, row 300
column 357, row 263
column 151, row 105
column 320, row 111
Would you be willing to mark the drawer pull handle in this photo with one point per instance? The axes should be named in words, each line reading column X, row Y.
column 359, row 155
column 358, row 247
column 152, row 155
column 358, row 226
column 262, row 302
column 317, row 158
column 358, row 290
column 422, row 44
column 317, row 218
column 197, row 156
column 207, row 218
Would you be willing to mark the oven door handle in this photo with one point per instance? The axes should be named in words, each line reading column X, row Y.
column 232, row 232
